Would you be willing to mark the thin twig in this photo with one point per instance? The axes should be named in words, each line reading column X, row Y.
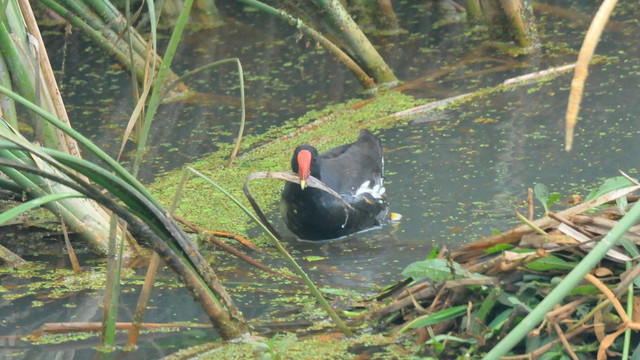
column 530, row 202
column 564, row 341
column 227, row 235
column 609, row 294
column 546, row 347
column 561, row 219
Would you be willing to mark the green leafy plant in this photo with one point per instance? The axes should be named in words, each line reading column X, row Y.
column 541, row 191
column 273, row 345
column 434, row 269
column 436, row 317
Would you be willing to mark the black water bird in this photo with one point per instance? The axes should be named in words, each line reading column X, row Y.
column 355, row 171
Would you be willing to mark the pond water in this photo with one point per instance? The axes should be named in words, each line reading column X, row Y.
column 455, row 174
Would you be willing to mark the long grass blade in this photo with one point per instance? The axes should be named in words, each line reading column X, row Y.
column 174, row 247
column 32, row 204
column 95, row 150
column 314, row 290
column 163, row 72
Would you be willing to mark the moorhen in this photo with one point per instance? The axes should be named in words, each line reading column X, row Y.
column 355, row 172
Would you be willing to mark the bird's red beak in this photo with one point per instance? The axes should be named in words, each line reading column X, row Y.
column 304, row 167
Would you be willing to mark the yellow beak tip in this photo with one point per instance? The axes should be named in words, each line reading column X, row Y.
column 303, row 184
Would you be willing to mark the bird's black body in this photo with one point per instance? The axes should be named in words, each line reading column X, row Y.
column 355, row 171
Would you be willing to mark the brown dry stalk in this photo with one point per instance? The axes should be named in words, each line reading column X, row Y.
column 627, row 278
column 582, row 65
column 70, row 145
column 530, row 202
column 143, row 299
column 68, row 327
column 546, row 347
column 211, row 237
column 227, row 235
column 567, row 222
column 416, row 304
column 609, row 294
column 565, row 342
column 437, row 299
column 10, row 258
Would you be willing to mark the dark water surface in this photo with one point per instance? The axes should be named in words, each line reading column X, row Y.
column 455, row 174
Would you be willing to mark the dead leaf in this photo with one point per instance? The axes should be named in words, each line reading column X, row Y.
column 603, row 272
column 598, row 325
column 636, row 310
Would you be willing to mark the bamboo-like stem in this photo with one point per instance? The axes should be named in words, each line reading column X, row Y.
column 49, row 79
column 365, row 80
column 49, row 188
column 228, row 321
column 112, row 290
column 515, row 14
column 76, row 213
column 474, row 10
column 110, row 15
column 357, row 41
column 582, row 67
column 7, row 106
column 106, row 41
column 10, row 258
column 21, row 77
column 88, row 15
column 390, row 19
column 103, row 36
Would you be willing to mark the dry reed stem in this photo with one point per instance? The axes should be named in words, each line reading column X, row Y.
column 580, row 75
column 71, row 146
column 530, row 202
column 564, row 341
column 546, row 347
column 609, row 294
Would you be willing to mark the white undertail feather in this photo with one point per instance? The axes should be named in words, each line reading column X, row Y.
column 377, row 190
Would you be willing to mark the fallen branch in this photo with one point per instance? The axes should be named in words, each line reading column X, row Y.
column 71, row 327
